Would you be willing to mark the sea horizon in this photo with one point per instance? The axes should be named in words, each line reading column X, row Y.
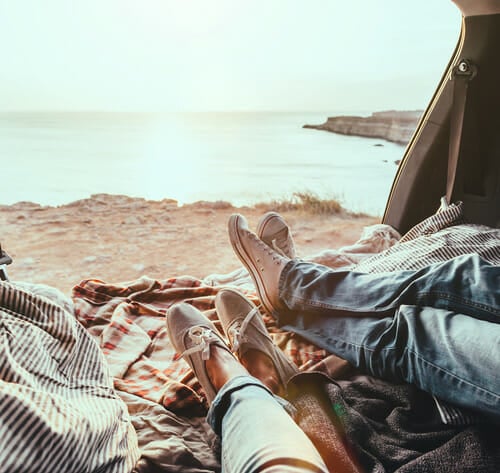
column 244, row 157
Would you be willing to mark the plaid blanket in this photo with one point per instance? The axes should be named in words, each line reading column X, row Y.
column 128, row 322
column 165, row 401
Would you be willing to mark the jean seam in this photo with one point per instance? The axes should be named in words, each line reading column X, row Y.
column 449, row 373
column 421, row 295
column 356, row 345
column 460, row 300
column 319, row 304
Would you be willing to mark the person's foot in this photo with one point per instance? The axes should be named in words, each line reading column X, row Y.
column 249, row 339
column 260, row 366
column 198, row 341
column 262, row 262
column 275, row 232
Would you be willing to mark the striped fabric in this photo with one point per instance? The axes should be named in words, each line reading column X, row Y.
column 436, row 239
column 58, row 410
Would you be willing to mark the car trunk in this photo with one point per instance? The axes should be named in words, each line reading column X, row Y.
column 422, row 179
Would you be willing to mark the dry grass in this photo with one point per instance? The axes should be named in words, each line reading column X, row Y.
column 307, row 202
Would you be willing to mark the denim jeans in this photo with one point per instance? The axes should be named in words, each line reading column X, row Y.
column 257, row 434
column 438, row 328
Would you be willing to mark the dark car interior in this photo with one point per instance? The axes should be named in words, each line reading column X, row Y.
column 457, row 143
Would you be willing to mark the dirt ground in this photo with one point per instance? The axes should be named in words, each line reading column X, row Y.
column 119, row 238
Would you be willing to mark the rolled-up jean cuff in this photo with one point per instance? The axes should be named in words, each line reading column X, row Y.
column 289, row 266
column 222, row 400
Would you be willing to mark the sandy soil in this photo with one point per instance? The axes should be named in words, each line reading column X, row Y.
column 119, row 238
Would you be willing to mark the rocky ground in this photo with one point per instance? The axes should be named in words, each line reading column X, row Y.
column 119, row 238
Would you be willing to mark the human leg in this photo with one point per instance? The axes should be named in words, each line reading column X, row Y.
column 377, row 321
column 450, row 355
column 442, row 332
column 257, row 435
column 249, row 339
column 466, row 284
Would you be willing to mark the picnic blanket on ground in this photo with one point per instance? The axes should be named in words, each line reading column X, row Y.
column 58, row 409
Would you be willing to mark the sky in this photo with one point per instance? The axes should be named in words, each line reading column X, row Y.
column 223, row 55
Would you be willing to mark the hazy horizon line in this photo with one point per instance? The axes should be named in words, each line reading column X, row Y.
column 180, row 112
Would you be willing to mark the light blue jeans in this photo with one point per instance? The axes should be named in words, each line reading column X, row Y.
column 438, row 328
column 257, row 434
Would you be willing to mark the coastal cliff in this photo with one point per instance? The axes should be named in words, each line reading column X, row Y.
column 395, row 126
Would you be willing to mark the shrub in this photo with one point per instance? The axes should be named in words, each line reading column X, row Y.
column 307, row 202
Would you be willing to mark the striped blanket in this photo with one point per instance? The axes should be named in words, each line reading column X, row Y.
column 58, row 409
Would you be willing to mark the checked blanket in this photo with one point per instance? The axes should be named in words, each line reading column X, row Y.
column 128, row 322
column 165, row 401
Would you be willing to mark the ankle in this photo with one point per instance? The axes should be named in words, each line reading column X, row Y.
column 222, row 366
column 261, row 366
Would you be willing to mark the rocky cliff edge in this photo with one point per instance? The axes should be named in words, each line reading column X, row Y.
column 391, row 125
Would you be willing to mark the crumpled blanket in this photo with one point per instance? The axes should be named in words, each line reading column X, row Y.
column 58, row 409
column 394, row 428
column 170, row 442
column 127, row 321
column 397, row 430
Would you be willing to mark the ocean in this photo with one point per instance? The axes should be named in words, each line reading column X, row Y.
column 243, row 158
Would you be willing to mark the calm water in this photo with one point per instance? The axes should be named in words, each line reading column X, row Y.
column 56, row 158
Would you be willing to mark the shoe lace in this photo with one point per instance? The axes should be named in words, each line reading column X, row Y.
column 276, row 255
column 238, row 331
column 202, row 338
